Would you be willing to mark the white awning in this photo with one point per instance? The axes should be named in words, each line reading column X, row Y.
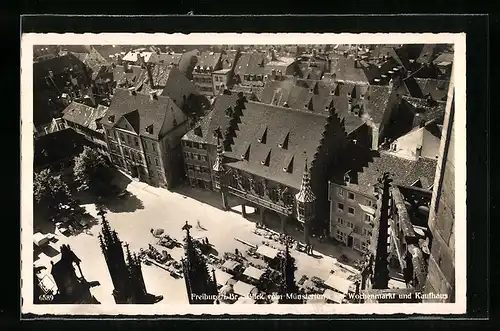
column 244, row 289
column 339, row 283
column 253, row 272
column 267, row 251
column 40, row 239
column 333, row 296
column 222, row 277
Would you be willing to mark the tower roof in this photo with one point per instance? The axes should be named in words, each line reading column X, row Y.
column 305, row 193
column 219, row 160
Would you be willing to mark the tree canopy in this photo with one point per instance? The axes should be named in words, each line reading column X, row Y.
column 93, row 172
column 50, row 191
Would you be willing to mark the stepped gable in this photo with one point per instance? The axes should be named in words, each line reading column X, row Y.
column 256, row 146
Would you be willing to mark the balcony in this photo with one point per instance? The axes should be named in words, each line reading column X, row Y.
column 260, row 201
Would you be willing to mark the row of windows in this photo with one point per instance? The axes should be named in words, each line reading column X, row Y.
column 193, row 145
column 219, row 78
column 194, row 156
column 350, row 210
column 131, row 140
column 341, row 221
column 202, row 80
column 198, row 169
column 156, row 161
column 205, row 88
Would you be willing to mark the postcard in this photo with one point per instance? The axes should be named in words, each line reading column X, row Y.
column 243, row 174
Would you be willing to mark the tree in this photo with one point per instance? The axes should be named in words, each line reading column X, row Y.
column 50, row 191
column 93, row 172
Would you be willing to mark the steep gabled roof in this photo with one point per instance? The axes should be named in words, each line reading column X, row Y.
column 305, row 133
column 84, row 115
column 216, row 119
column 121, row 76
column 57, row 65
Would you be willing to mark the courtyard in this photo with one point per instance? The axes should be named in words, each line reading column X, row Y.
column 147, row 208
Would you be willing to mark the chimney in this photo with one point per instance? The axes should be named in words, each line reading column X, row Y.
column 273, row 55
column 356, row 63
column 125, row 66
column 140, row 61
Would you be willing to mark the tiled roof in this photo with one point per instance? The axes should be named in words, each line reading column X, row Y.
column 142, row 112
column 95, row 61
column 345, row 70
column 227, row 59
column 427, row 54
column 177, row 86
column 438, row 89
column 445, row 57
column 251, row 63
column 208, row 59
column 165, row 58
column 376, row 101
column 318, row 95
column 426, row 110
column 84, row 115
column 120, row 76
column 57, row 65
column 367, row 166
column 42, row 111
column 58, row 145
column 187, row 62
column 248, row 91
column 301, row 134
column 215, row 119
column 134, row 56
column 107, row 51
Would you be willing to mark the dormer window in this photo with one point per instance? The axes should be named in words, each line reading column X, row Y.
column 284, row 143
column 149, row 129
column 288, row 164
column 262, row 136
column 111, row 118
column 266, row 161
column 246, row 154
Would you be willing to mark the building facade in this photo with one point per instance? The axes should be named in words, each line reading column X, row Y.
column 143, row 134
column 352, row 192
column 441, row 273
column 208, row 63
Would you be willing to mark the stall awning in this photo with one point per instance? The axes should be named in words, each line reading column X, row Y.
column 222, row 277
column 333, row 296
column 230, row 265
column 339, row 283
column 244, row 289
column 253, row 272
column 267, row 251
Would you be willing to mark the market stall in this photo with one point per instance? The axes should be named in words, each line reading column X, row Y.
column 244, row 289
column 332, row 296
column 222, row 277
column 268, row 252
column 253, row 273
column 338, row 283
